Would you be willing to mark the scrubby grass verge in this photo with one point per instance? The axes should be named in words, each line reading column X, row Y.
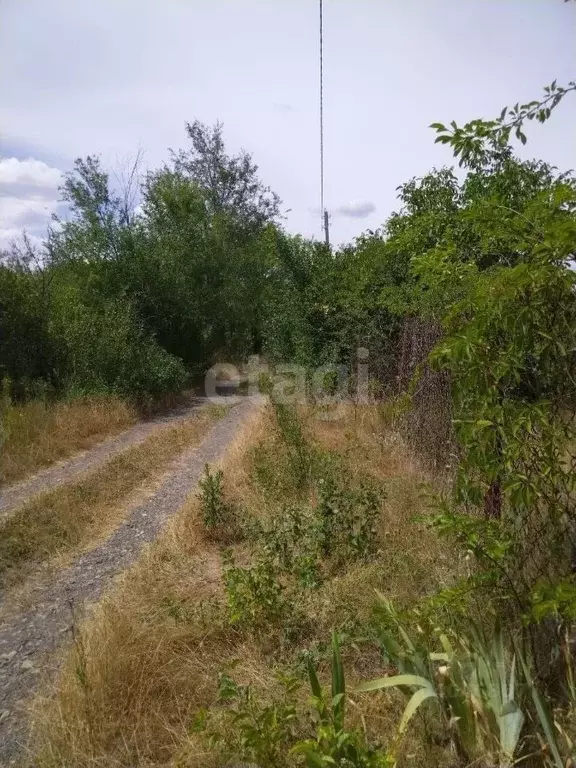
column 73, row 515
column 200, row 656
column 36, row 434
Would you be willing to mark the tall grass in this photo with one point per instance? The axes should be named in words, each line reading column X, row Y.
column 36, row 434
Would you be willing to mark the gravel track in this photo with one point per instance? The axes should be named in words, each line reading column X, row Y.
column 62, row 472
column 27, row 638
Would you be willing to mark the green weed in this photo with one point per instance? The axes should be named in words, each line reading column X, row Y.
column 294, row 540
column 333, row 744
column 299, row 451
column 254, row 596
column 348, row 519
column 214, row 508
column 250, row 730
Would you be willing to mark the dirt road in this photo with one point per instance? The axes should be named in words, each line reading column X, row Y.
column 30, row 636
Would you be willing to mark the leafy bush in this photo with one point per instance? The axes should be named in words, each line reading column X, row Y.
column 348, row 517
column 254, row 595
column 294, row 540
column 214, row 508
column 341, row 527
column 106, row 349
column 251, row 730
column 27, row 354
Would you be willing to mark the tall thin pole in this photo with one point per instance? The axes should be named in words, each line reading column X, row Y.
column 323, row 212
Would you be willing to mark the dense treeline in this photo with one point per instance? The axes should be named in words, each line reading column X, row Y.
column 136, row 299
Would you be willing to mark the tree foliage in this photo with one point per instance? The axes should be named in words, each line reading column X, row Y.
column 230, row 183
column 135, row 299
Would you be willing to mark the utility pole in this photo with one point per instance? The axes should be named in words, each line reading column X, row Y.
column 323, row 211
column 326, row 229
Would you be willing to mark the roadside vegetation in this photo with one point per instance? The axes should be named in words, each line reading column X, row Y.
column 37, row 433
column 385, row 580
column 226, row 611
column 303, row 614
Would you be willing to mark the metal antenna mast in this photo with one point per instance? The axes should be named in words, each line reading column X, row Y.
column 324, row 212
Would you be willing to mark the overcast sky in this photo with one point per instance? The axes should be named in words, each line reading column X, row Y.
column 110, row 76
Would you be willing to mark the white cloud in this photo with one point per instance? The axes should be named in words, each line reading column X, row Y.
column 154, row 77
column 28, row 173
column 358, row 209
column 28, row 198
column 9, row 236
column 25, row 213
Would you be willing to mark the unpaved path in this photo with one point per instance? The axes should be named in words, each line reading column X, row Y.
column 27, row 638
column 62, row 472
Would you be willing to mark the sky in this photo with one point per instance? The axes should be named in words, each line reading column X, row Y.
column 114, row 76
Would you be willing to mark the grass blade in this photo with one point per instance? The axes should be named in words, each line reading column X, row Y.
column 314, row 682
column 395, row 681
column 338, row 684
column 543, row 716
column 416, row 700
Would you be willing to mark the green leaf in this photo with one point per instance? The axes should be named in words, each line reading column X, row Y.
column 510, row 726
column 544, row 717
column 394, row 682
column 338, row 684
column 313, row 677
column 416, row 700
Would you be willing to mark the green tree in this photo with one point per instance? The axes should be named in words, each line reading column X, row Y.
column 230, row 182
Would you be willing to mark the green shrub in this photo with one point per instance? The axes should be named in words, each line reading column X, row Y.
column 254, row 596
column 348, row 519
column 214, row 508
column 340, row 528
column 27, row 354
column 294, row 540
column 251, row 731
column 106, row 349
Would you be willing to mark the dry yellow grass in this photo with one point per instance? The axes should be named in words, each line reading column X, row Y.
column 416, row 561
column 150, row 657
column 36, row 434
column 76, row 514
